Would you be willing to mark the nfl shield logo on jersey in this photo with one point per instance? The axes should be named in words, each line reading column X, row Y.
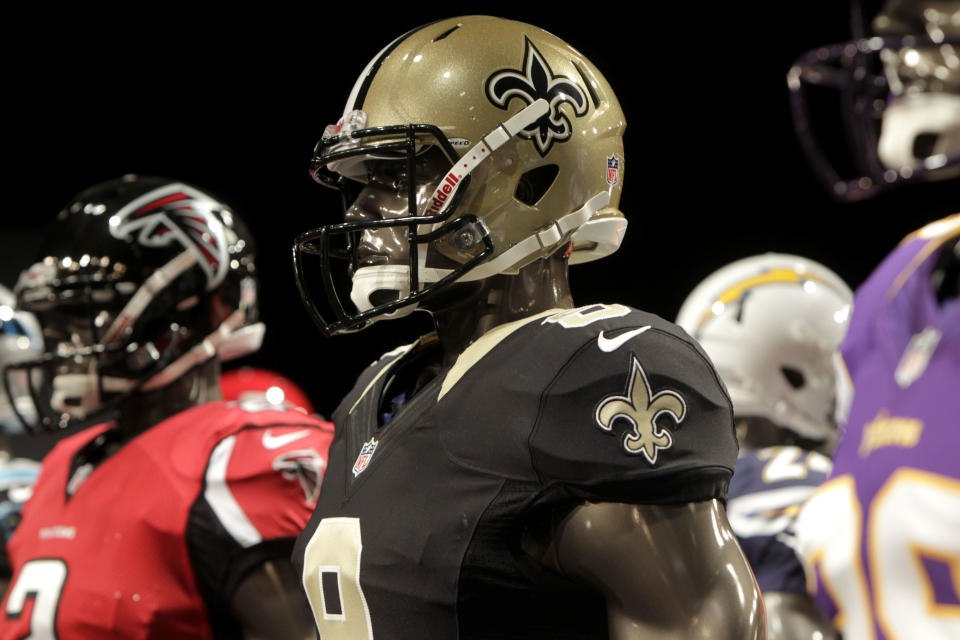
column 613, row 169
column 917, row 356
column 366, row 452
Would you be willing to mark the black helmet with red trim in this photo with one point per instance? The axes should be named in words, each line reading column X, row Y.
column 139, row 280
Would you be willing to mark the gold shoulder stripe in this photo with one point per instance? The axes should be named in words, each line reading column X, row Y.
column 937, row 234
column 399, row 352
column 482, row 346
column 944, row 227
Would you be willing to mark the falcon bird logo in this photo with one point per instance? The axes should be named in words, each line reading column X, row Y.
column 534, row 81
column 304, row 466
column 641, row 408
column 177, row 214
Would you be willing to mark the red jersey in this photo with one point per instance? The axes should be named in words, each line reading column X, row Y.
column 153, row 540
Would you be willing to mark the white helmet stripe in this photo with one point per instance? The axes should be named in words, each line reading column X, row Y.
column 359, row 92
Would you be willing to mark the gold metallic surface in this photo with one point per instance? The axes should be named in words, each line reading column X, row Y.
column 446, row 79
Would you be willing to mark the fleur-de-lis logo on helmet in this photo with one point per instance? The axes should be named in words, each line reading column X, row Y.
column 641, row 409
column 536, row 80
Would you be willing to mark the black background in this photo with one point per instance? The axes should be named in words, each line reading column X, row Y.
column 234, row 102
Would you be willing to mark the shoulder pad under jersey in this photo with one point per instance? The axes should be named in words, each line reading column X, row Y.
column 612, row 403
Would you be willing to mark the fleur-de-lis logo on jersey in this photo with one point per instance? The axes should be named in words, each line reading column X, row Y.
column 534, row 81
column 641, row 409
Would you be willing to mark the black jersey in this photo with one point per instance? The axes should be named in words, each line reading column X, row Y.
column 417, row 530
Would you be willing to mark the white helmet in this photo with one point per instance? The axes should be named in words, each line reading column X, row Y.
column 20, row 340
column 772, row 325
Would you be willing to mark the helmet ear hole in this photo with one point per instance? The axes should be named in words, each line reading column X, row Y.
column 924, row 145
column 794, row 376
column 534, row 184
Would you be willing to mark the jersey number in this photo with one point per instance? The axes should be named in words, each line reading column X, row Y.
column 915, row 515
column 574, row 318
column 786, row 464
column 41, row 580
column 331, row 579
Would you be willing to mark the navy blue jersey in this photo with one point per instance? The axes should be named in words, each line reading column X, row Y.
column 418, row 527
column 17, row 478
column 766, row 493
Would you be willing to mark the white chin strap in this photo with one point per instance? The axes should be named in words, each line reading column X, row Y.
column 903, row 121
column 546, row 238
column 141, row 299
column 245, row 340
column 200, row 353
column 607, row 237
column 232, row 339
column 393, row 279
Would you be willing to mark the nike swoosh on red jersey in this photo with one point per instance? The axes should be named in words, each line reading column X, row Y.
column 271, row 442
column 612, row 344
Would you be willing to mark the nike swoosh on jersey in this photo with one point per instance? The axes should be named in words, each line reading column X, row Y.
column 612, row 344
column 271, row 442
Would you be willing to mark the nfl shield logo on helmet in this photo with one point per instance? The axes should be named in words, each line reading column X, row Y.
column 366, row 452
column 613, row 170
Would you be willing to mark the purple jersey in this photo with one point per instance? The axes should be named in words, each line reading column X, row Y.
column 882, row 535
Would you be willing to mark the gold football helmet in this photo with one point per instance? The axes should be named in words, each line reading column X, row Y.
column 502, row 142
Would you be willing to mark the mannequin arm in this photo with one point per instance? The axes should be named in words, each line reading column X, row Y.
column 269, row 604
column 793, row 616
column 673, row 571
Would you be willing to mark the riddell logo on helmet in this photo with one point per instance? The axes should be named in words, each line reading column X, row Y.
column 440, row 196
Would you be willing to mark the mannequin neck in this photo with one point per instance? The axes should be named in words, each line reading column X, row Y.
column 472, row 309
column 144, row 410
column 147, row 408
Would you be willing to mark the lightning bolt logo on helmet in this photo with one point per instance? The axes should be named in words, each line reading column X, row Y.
column 177, row 213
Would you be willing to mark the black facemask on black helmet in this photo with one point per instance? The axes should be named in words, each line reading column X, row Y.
column 139, row 280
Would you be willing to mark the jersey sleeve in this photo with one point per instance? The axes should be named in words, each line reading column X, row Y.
column 17, row 478
column 878, row 291
column 868, row 300
column 636, row 415
column 263, row 482
column 766, row 494
column 259, row 489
